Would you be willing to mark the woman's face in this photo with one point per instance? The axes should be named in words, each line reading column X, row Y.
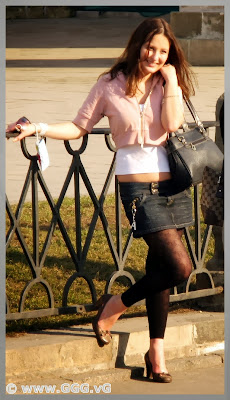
column 153, row 55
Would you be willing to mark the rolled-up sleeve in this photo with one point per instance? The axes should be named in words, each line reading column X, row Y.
column 92, row 109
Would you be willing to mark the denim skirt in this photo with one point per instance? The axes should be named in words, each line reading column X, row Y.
column 153, row 207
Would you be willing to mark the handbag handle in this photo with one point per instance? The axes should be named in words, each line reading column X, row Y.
column 195, row 116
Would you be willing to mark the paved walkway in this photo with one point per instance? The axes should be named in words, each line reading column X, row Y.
column 51, row 66
column 67, row 357
column 205, row 381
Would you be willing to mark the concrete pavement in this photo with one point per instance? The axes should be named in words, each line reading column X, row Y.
column 208, row 380
column 194, row 344
column 205, row 381
column 51, row 66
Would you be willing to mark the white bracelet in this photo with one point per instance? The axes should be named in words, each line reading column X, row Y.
column 36, row 128
column 44, row 128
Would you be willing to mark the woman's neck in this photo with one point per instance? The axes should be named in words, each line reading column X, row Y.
column 144, row 85
column 143, row 79
column 143, row 89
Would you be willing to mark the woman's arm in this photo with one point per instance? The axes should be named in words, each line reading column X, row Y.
column 172, row 115
column 61, row 131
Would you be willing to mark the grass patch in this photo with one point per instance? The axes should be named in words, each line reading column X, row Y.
column 58, row 266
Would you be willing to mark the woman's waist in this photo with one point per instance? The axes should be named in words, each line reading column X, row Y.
column 145, row 177
column 135, row 189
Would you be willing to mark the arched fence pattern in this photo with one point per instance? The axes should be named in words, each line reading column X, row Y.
column 197, row 248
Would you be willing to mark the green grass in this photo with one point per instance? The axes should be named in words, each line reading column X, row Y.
column 59, row 266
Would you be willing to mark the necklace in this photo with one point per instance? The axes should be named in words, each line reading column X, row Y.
column 142, row 99
column 141, row 107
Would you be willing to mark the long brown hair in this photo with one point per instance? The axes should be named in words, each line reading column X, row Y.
column 128, row 62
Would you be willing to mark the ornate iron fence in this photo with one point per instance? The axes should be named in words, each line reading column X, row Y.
column 197, row 248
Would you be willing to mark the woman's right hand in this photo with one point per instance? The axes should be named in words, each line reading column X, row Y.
column 23, row 127
column 26, row 130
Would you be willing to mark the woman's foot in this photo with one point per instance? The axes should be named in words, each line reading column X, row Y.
column 109, row 309
column 111, row 312
column 161, row 377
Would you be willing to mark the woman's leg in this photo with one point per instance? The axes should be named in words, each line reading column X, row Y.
column 157, row 306
column 175, row 266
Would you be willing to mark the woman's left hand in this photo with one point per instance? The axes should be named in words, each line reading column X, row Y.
column 168, row 72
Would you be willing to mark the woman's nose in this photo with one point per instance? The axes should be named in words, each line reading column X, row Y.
column 154, row 55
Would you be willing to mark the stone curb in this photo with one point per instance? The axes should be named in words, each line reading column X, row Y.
column 75, row 349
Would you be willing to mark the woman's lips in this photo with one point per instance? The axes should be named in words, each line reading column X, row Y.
column 152, row 64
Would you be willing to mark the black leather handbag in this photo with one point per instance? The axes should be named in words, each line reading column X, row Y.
column 190, row 152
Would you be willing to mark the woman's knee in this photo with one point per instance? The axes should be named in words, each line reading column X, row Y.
column 184, row 269
column 166, row 250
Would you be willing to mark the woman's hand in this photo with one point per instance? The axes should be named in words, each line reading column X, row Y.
column 25, row 131
column 168, row 72
column 23, row 127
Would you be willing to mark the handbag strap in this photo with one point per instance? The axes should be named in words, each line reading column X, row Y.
column 195, row 117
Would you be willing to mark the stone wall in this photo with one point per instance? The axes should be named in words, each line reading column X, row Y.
column 199, row 25
column 201, row 33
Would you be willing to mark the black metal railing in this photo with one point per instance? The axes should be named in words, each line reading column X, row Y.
column 35, row 260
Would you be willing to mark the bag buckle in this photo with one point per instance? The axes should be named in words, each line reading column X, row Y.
column 192, row 146
column 154, row 187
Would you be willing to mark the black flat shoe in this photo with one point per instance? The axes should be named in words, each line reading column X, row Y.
column 161, row 377
column 103, row 337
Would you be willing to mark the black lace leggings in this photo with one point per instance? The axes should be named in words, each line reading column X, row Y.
column 167, row 265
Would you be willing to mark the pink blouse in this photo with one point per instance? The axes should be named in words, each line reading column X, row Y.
column 127, row 123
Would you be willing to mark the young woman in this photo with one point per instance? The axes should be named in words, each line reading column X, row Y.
column 142, row 97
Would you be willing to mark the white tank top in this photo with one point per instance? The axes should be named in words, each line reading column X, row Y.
column 136, row 159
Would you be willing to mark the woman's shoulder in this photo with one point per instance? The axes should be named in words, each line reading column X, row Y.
column 106, row 78
column 113, row 85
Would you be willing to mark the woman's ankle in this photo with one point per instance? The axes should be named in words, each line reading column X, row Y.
column 156, row 355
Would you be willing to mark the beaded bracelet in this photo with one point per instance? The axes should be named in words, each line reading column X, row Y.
column 172, row 95
column 165, row 97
